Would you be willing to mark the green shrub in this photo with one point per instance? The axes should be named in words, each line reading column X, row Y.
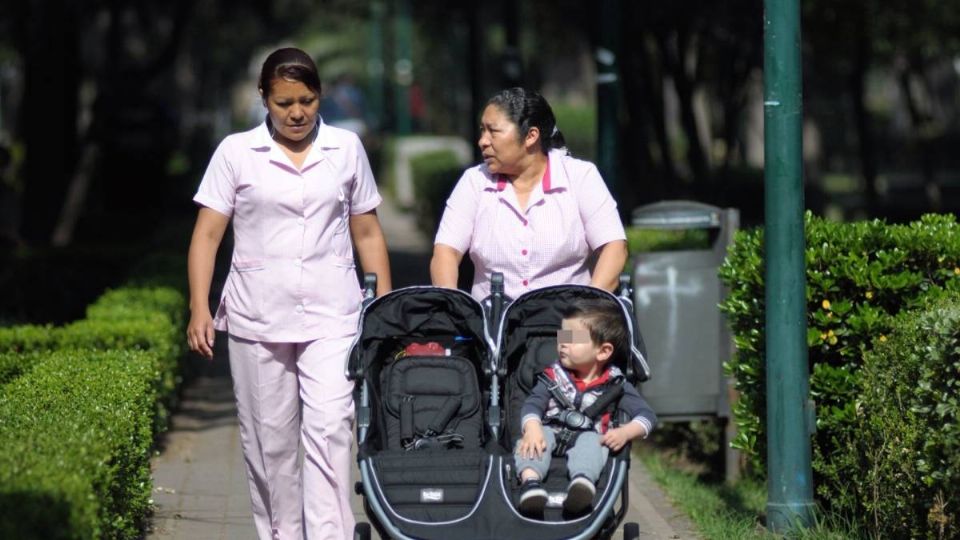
column 858, row 277
column 75, row 439
column 130, row 318
column 434, row 175
column 126, row 318
column 909, row 434
column 645, row 240
column 139, row 317
column 386, row 175
column 152, row 332
column 81, row 406
column 578, row 123
column 13, row 365
column 642, row 240
column 27, row 337
column 128, row 302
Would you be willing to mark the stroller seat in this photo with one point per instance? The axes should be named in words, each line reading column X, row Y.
column 529, row 345
column 432, row 402
column 433, row 467
column 421, row 416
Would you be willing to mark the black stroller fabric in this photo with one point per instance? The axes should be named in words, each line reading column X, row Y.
column 431, row 485
column 418, row 315
column 529, row 345
column 431, row 402
column 467, row 488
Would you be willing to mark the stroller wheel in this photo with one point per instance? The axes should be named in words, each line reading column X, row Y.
column 361, row 531
column 631, row 531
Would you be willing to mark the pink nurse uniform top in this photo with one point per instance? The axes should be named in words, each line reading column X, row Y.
column 292, row 277
column 568, row 215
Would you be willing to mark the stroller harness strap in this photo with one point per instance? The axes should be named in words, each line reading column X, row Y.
column 431, row 402
column 434, row 436
column 572, row 421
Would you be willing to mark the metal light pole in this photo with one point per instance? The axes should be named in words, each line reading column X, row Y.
column 789, row 478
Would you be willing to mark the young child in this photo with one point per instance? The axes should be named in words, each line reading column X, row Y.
column 592, row 333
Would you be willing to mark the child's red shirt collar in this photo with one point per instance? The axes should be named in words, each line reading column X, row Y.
column 583, row 386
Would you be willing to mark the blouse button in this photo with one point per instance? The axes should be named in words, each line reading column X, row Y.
column 524, row 252
column 299, row 308
column 300, row 221
column 525, row 282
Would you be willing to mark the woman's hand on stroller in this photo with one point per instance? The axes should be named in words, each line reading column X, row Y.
column 532, row 444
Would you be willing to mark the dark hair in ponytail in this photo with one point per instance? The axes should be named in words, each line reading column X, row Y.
column 528, row 109
column 291, row 64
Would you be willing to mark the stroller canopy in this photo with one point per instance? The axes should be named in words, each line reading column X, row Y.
column 412, row 313
column 541, row 308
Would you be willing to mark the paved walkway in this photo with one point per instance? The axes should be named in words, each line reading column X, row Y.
column 200, row 487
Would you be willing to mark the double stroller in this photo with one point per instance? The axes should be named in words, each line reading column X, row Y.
column 440, row 380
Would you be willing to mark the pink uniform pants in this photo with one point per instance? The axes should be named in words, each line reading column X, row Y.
column 288, row 393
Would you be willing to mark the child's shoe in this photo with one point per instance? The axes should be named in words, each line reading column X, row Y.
column 533, row 498
column 580, row 494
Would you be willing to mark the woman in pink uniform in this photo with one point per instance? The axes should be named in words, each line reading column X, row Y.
column 301, row 195
column 530, row 210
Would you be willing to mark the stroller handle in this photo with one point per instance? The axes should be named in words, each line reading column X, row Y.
column 625, row 289
column 369, row 287
column 496, row 297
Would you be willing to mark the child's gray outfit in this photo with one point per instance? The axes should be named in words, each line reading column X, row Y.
column 586, row 456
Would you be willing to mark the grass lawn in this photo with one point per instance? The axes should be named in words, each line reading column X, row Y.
column 722, row 511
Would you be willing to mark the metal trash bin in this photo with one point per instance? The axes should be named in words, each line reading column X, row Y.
column 676, row 294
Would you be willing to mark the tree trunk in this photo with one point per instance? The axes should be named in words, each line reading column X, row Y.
column 868, row 165
column 511, row 66
column 49, row 123
column 674, row 58
column 650, row 82
column 76, row 196
column 920, row 120
column 475, row 64
column 647, row 184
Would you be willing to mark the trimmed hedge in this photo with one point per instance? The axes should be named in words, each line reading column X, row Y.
column 130, row 302
column 859, row 276
column 13, row 365
column 908, row 421
column 128, row 318
column 86, row 402
column 578, row 123
column 644, row 240
column 75, row 439
column 434, row 176
column 28, row 337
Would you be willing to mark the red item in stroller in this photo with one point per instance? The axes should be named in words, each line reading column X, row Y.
column 425, row 349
